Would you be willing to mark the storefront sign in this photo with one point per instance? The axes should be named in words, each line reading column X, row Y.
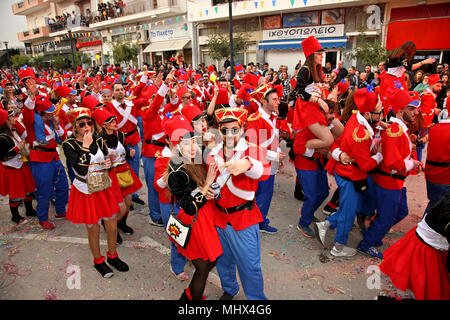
column 171, row 33
column 88, row 44
column 327, row 31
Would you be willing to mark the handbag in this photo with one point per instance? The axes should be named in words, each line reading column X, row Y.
column 177, row 230
column 98, row 181
column 125, row 178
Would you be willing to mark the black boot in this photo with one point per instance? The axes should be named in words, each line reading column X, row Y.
column 29, row 211
column 118, row 264
column 298, row 193
column 16, row 217
column 122, row 225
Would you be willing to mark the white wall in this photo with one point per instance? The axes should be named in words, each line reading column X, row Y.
column 289, row 58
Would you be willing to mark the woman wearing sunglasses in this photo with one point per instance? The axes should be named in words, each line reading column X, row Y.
column 189, row 184
column 118, row 153
column 91, row 197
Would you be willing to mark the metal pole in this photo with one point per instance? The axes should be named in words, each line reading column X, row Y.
column 71, row 50
column 7, row 54
column 230, row 22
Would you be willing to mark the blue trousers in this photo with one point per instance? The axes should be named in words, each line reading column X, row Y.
column 39, row 127
column 50, row 178
column 177, row 260
column 70, row 172
column 391, row 209
column 153, row 199
column 315, row 188
column 134, row 164
column 241, row 249
column 264, row 197
column 350, row 204
column 140, row 127
column 435, row 192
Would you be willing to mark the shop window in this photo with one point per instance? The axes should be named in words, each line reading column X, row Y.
column 272, row 22
column 335, row 16
column 301, row 19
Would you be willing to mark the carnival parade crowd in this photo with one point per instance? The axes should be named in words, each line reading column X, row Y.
column 210, row 149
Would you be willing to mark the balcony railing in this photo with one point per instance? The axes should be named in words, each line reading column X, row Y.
column 35, row 33
column 26, row 7
column 63, row 25
column 107, row 12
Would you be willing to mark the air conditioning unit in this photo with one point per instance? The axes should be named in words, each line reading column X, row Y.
column 141, row 35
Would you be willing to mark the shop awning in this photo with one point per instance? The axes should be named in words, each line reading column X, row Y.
column 292, row 44
column 169, row 45
column 427, row 34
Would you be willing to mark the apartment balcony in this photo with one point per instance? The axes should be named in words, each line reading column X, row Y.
column 26, row 7
column 36, row 33
column 135, row 11
column 61, row 28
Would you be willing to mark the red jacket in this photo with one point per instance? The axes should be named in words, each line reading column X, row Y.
column 239, row 189
column 36, row 155
column 396, row 149
column 357, row 142
column 427, row 106
column 438, row 151
column 161, row 164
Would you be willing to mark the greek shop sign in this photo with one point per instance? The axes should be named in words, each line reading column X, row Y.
column 335, row 30
column 164, row 34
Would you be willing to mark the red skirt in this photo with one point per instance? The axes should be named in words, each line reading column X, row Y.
column 306, row 114
column 137, row 184
column 412, row 264
column 16, row 183
column 204, row 242
column 91, row 208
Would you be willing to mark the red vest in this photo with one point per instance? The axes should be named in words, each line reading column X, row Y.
column 438, row 151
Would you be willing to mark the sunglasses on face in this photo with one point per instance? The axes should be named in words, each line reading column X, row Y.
column 377, row 113
column 233, row 131
column 82, row 124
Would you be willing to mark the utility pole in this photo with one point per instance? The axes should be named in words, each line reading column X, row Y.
column 71, row 50
column 230, row 22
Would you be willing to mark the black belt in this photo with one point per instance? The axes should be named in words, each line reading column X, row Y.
column 246, row 205
column 438, row 164
column 38, row 148
column 130, row 133
column 392, row 175
column 81, row 179
column 155, row 142
column 316, row 161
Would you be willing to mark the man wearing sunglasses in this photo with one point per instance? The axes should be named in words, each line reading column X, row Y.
column 241, row 165
column 355, row 185
column 390, row 175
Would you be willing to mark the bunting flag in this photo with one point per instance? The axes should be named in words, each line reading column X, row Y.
column 206, row 12
column 292, row 2
column 274, row 2
column 305, row 2
column 256, row 4
column 262, row 4
column 244, row 5
column 215, row 8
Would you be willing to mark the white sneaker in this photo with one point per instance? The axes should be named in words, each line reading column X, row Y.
column 322, row 231
column 345, row 252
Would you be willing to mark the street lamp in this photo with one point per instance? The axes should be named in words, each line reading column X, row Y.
column 7, row 53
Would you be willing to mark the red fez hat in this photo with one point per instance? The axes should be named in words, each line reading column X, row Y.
column 211, row 68
column 260, row 93
column 3, row 116
column 177, row 128
column 6, row 82
column 198, row 77
column 101, row 115
column 231, row 114
column 365, row 100
column 78, row 69
column 90, row 103
column 43, row 103
column 279, row 89
column 183, row 77
column 434, row 78
column 192, row 112
column 182, row 91
column 77, row 114
column 64, row 91
column 222, row 96
column 148, row 91
column 311, row 45
column 400, row 99
column 343, row 86
column 244, row 93
column 25, row 73
column 239, row 68
column 252, row 79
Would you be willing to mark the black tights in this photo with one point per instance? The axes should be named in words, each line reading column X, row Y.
column 198, row 282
